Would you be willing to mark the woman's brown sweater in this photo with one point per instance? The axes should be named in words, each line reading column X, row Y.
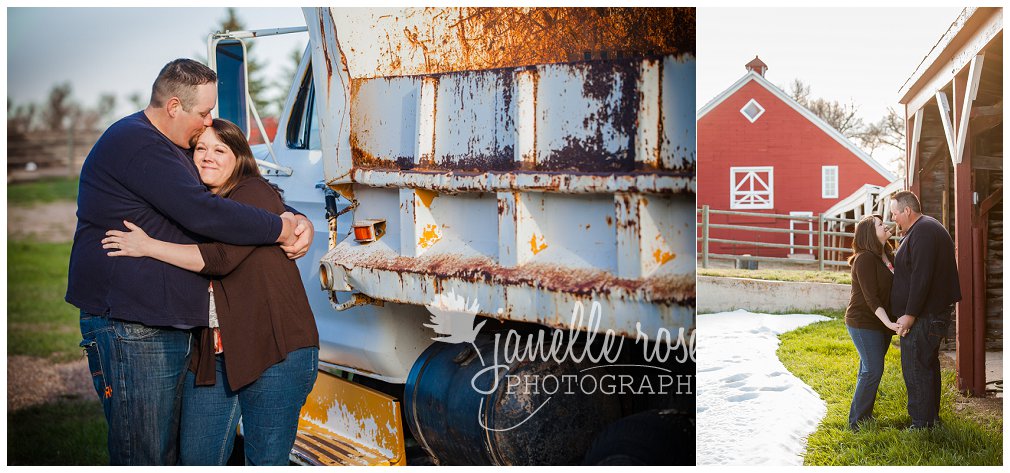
column 261, row 304
column 871, row 288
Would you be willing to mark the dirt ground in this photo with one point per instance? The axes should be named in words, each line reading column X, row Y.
column 51, row 223
column 32, row 380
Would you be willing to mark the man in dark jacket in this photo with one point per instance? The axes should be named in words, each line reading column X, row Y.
column 924, row 291
column 136, row 313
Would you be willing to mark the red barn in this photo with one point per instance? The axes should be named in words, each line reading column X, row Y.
column 761, row 151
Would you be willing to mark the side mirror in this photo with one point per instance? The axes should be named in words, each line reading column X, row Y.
column 229, row 60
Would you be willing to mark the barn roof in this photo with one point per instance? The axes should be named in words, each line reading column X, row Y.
column 810, row 116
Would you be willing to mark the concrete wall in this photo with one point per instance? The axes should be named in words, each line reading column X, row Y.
column 716, row 294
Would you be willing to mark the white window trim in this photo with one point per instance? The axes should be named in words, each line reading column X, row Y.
column 754, row 198
column 810, row 228
column 761, row 110
column 824, row 174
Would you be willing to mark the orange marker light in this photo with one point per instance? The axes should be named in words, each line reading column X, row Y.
column 364, row 233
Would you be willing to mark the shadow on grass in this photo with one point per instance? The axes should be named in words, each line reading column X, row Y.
column 60, row 433
column 822, row 355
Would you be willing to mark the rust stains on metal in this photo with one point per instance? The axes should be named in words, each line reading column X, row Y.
column 470, row 38
column 666, row 289
column 610, row 220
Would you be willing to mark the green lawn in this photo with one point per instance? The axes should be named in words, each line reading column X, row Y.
column 797, row 275
column 60, row 433
column 822, row 355
column 42, row 191
column 39, row 322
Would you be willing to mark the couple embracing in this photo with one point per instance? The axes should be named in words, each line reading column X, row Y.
column 910, row 292
column 192, row 315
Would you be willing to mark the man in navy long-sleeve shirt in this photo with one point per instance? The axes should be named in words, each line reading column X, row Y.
column 136, row 312
column 925, row 287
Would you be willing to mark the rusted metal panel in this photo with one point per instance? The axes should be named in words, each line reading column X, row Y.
column 678, row 151
column 417, row 41
column 578, row 118
column 537, row 292
column 450, row 181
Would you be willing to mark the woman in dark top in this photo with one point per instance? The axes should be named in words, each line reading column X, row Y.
column 258, row 358
column 866, row 317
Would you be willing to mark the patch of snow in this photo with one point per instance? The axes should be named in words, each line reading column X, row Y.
column 751, row 409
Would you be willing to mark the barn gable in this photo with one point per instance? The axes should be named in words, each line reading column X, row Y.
column 752, row 76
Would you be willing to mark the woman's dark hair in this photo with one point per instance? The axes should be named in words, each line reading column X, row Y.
column 865, row 239
column 245, row 164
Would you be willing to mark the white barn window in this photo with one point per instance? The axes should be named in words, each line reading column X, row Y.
column 751, row 187
column 752, row 110
column 829, row 182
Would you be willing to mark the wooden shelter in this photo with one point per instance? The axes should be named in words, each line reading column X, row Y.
column 954, row 136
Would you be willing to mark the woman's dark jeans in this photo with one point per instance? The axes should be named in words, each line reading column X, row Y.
column 872, row 346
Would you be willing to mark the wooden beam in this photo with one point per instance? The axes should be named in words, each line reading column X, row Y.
column 988, row 163
column 948, row 127
column 970, row 34
column 986, row 205
column 914, row 146
column 985, row 118
column 970, row 92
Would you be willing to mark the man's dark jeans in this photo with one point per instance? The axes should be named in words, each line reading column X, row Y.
column 920, row 366
column 137, row 371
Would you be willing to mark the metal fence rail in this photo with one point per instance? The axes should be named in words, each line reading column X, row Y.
column 826, row 253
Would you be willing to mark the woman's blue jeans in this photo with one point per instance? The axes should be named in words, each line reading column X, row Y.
column 269, row 408
column 872, row 346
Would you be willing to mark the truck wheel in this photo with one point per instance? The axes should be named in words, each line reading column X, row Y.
column 655, row 437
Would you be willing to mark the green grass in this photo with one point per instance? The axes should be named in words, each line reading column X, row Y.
column 39, row 322
column 60, row 433
column 42, row 191
column 822, row 355
column 796, row 275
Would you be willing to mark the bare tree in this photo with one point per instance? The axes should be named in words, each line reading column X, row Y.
column 136, row 99
column 60, row 110
column 21, row 119
column 95, row 118
column 886, row 134
column 841, row 117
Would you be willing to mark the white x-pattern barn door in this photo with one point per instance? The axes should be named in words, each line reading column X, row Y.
column 752, row 187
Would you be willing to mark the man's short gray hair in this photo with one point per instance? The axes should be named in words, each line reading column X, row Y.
column 907, row 200
column 180, row 78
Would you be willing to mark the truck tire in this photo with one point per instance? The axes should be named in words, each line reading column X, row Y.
column 655, row 437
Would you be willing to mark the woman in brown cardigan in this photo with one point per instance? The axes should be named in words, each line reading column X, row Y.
column 866, row 317
column 258, row 358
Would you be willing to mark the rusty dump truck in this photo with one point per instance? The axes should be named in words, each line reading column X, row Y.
column 503, row 271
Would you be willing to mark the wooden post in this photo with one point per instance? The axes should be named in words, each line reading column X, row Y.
column 820, row 242
column 704, row 236
column 968, row 348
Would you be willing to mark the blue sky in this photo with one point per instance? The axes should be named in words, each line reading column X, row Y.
column 121, row 50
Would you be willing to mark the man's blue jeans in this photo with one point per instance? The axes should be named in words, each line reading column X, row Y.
column 920, row 366
column 137, row 371
column 269, row 408
column 872, row 346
